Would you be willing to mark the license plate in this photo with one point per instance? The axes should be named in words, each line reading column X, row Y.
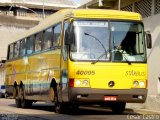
column 110, row 98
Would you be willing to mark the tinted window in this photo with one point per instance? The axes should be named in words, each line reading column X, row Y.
column 11, row 51
column 57, row 31
column 16, row 49
column 38, row 42
column 48, row 36
column 30, row 47
column 22, row 47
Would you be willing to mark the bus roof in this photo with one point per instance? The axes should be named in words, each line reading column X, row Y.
column 109, row 14
column 80, row 13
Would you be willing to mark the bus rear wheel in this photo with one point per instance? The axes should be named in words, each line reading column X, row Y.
column 24, row 103
column 16, row 96
column 118, row 108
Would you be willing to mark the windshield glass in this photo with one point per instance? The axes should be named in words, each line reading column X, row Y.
column 104, row 41
column 128, row 42
column 90, row 41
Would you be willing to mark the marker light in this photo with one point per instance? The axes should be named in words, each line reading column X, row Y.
column 141, row 84
column 85, row 83
column 135, row 83
column 78, row 82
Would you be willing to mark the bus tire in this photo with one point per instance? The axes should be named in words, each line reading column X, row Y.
column 16, row 96
column 73, row 108
column 61, row 107
column 24, row 102
column 118, row 108
column 18, row 103
column 17, row 99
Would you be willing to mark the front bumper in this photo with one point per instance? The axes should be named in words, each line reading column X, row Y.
column 97, row 95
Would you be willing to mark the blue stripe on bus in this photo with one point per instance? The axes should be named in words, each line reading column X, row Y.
column 37, row 85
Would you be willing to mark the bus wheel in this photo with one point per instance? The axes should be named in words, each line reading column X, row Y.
column 118, row 108
column 22, row 97
column 17, row 99
column 73, row 108
column 60, row 107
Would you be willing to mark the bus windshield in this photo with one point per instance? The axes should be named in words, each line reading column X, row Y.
column 91, row 40
column 104, row 41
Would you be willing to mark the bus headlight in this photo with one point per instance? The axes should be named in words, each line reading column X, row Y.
column 135, row 83
column 78, row 82
column 85, row 83
column 81, row 83
column 141, row 84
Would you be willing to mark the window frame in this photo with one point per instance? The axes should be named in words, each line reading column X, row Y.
column 9, row 51
column 38, row 38
column 54, row 36
column 22, row 42
column 51, row 38
column 16, row 51
column 29, row 39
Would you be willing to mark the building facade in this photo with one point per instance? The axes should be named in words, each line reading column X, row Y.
column 17, row 16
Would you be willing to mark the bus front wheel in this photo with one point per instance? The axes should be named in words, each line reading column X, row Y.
column 118, row 108
column 60, row 107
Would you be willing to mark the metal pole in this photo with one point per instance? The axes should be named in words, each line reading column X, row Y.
column 119, row 4
column 43, row 10
column 100, row 3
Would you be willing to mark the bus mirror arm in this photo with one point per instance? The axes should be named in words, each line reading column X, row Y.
column 148, row 40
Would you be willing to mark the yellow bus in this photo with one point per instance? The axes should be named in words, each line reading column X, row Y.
column 80, row 56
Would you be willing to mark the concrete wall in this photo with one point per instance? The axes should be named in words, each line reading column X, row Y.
column 11, row 26
column 152, row 24
column 7, row 34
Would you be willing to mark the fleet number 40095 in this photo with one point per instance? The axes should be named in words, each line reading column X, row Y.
column 85, row 72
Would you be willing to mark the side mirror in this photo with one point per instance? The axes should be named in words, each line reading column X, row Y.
column 67, row 37
column 149, row 40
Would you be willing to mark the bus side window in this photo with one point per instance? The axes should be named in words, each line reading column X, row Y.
column 10, row 51
column 57, row 31
column 16, row 49
column 38, row 41
column 22, row 47
column 29, row 44
column 47, row 38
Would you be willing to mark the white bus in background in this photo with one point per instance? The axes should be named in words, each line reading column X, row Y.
column 2, row 79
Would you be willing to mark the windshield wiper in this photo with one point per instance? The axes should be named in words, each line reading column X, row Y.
column 97, row 60
column 98, row 42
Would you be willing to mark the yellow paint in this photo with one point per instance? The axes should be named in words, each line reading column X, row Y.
column 41, row 67
column 121, row 73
